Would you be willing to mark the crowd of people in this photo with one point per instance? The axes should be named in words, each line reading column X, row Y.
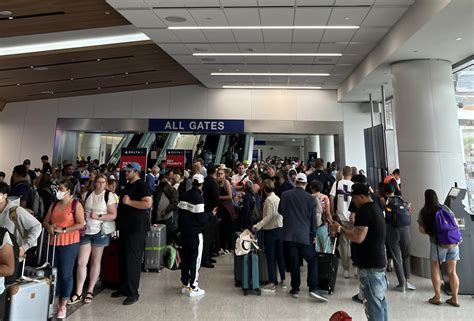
column 297, row 209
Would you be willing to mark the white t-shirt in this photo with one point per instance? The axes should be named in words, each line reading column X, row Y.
column 6, row 240
column 237, row 178
column 343, row 201
column 96, row 203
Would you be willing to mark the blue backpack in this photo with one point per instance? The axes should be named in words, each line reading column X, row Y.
column 446, row 229
column 397, row 212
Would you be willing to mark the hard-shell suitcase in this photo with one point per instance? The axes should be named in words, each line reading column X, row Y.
column 262, row 259
column 327, row 270
column 110, row 265
column 250, row 274
column 27, row 299
column 47, row 270
column 154, row 247
column 238, row 266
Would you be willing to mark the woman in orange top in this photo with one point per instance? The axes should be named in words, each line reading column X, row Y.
column 65, row 219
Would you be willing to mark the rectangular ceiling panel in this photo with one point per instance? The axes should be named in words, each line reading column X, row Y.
column 219, row 35
column 373, row 35
column 312, row 16
column 209, row 17
column 242, row 17
column 343, row 35
column 307, row 35
column 348, row 16
column 277, row 17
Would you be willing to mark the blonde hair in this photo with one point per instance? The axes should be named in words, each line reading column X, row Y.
column 268, row 186
column 196, row 169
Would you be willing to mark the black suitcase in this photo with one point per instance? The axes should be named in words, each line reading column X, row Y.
column 262, row 259
column 238, row 266
column 327, row 270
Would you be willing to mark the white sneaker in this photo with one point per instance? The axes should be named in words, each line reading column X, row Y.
column 346, row 274
column 62, row 312
column 185, row 289
column 196, row 292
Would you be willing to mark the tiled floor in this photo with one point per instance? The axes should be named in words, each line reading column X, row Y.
column 161, row 300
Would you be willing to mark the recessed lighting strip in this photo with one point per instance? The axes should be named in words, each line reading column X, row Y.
column 258, row 27
column 286, row 74
column 75, row 43
column 267, row 54
column 270, row 87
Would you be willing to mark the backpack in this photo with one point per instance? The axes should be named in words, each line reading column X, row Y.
column 397, row 214
column 16, row 252
column 447, row 230
column 340, row 316
column 256, row 213
column 35, row 203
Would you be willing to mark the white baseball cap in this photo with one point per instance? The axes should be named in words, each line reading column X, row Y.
column 301, row 177
column 199, row 178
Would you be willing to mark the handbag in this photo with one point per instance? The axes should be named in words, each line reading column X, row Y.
column 107, row 227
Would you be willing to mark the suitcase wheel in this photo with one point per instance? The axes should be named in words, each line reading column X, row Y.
column 330, row 291
column 258, row 291
column 147, row 270
column 246, row 292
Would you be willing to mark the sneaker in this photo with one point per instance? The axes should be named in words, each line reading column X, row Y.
column 356, row 299
column 400, row 288
column 411, row 286
column 130, row 300
column 196, row 292
column 270, row 288
column 227, row 252
column 62, row 311
column 207, row 265
column 283, row 285
column 222, row 252
column 318, row 296
column 185, row 289
column 346, row 274
column 295, row 294
column 212, row 261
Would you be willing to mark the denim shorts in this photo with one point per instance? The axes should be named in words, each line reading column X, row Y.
column 97, row 240
column 444, row 254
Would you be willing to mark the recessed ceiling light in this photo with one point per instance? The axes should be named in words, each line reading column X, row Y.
column 257, row 27
column 146, row 83
column 72, row 78
column 126, row 73
column 47, row 92
column 458, row 39
column 175, row 19
column 18, row 84
column 10, row 18
column 98, row 59
column 285, row 74
column 347, row 18
column 270, row 87
column 40, row 68
column 99, row 88
column 267, row 54
column 107, row 12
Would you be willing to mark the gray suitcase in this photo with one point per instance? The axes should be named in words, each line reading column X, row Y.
column 27, row 299
column 47, row 270
column 154, row 247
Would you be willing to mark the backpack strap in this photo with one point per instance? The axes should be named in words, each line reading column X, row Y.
column 106, row 197
column 14, row 218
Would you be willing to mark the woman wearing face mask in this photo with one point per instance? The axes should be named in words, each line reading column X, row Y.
column 65, row 219
column 100, row 206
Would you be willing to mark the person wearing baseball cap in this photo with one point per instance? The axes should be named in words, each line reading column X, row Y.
column 191, row 222
column 133, row 223
column 368, row 234
column 298, row 209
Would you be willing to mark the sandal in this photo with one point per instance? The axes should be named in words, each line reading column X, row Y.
column 76, row 298
column 89, row 297
column 434, row 302
column 451, row 302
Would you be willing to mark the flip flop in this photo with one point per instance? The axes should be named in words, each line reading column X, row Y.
column 88, row 298
column 434, row 302
column 451, row 302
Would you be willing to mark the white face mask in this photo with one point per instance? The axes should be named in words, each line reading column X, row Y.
column 398, row 181
column 60, row 195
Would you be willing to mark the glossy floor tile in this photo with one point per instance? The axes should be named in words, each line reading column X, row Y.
column 161, row 300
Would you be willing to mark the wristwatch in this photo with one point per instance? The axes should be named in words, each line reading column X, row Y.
column 64, row 229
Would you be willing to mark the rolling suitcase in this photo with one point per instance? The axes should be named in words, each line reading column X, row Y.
column 250, row 274
column 154, row 247
column 327, row 269
column 238, row 266
column 27, row 299
column 47, row 270
column 262, row 259
column 110, row 265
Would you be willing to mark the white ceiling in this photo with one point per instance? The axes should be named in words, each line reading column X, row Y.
column 376, row 18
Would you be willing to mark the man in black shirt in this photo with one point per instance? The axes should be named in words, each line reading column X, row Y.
column 319, row 175
column 133, row 223
column 210, row 193
column 369, row 233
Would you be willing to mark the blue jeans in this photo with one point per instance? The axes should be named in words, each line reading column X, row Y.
column 373, row 283
column 65, row 258
column 274, row 254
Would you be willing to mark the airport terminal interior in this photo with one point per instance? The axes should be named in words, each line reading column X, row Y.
column 187, row 130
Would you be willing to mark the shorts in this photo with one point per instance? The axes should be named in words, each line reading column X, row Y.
column 96, row 240
column 444, row 254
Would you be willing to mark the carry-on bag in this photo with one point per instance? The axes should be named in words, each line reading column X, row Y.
column 155, row 245
column 47, row 270
column 110, row 265
column 262, row 259
column 327, row 269
column 250, row 274
column 27, row 298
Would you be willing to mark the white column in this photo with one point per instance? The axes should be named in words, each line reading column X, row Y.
column 311, row 144
column 430, row 151
column 326, row 143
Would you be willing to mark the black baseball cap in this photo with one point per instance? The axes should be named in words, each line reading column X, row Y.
column 26, row 162
column 360, row 189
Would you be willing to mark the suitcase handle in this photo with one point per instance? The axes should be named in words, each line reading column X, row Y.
column 334, row 246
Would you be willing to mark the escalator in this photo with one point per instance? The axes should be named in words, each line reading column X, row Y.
column 128, row 140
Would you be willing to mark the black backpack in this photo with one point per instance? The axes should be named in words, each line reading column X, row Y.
column 397, row 212
column 16, row 251
column 106, row 196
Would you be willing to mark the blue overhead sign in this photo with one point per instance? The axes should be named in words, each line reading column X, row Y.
column 196, row 126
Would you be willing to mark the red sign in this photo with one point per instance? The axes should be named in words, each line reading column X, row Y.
column 133, row 155
column 175, row 158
